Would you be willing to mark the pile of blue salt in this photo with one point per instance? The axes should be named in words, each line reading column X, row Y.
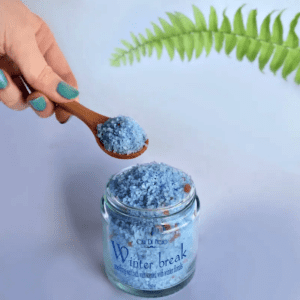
column 152, row 253
column 122, row 135
column 150, row 185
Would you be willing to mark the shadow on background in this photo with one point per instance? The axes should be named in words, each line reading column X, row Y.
column 248, row 251
column 83, row 187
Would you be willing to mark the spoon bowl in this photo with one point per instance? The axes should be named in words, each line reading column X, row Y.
column 92, row 119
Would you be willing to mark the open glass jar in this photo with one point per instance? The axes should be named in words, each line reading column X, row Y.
column 150, row 252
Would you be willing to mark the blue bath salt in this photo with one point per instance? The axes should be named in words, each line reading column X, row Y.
column 122, row 135
column 150, row 185
column 151, row 253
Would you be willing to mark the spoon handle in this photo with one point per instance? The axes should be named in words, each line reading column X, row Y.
column 89, row 117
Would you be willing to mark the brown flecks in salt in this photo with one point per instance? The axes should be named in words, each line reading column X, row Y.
column 166, row 213
column 160, row 228
column 167, row 226
column 111, row 236
column 187, row 188
column 130, row 244
column 176, row 234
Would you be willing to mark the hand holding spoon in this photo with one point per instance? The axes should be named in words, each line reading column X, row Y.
column 92, row 119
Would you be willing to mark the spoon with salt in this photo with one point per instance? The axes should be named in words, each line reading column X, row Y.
column 92, row 119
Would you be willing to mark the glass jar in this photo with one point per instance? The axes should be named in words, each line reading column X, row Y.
column 150, row 252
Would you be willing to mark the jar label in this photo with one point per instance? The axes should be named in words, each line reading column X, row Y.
column 154, row 263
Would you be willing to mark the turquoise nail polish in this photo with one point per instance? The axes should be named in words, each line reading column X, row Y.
column 3, row 80
column 67, row 91
column 38, row 104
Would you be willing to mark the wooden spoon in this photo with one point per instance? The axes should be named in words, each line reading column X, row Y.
column 92, row 119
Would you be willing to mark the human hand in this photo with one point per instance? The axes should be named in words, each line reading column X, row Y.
column 29, row 52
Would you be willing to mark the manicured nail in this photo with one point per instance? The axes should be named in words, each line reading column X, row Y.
column 3, row 80
column 67, row 91
column 39, row 104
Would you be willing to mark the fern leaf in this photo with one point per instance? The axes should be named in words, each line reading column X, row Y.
column 130, row 57
column 184, row 36
column 278, row 58
column 291, row 63
column 151, row 36
column 219, row 39
column 178, row 26
column 126, row 44
column 169, row 30
column 135, row 40
column 186, row 22
column 188, row 43
column 252, row 24
column 121, row 51
column 213, row 20
column 265, row 54
column 253, row 50
column 292, row 40
column 238, row 25
column 242, row 47
column 170, row 47
column 159, row 33
column 178, row 42
column 251, row 31
column 199, row 18
column 115, row 63
column 123, row 58
column 159, row 47
column 230, row 40
column 277, row 36
column 230, row 43
column 137, row 54
column 143, row 47
column 213, row 26
column 198, row 43
column 297, row 77
column 208, row 41
column 225, row 27
column 150, row 47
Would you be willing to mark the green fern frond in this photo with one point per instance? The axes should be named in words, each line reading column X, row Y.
column 186, row 37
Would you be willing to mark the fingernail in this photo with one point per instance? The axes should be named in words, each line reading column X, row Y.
column 67, row 91
column 3, row 80
column 39, row 104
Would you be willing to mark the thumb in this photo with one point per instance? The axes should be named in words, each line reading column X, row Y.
column 25, row 52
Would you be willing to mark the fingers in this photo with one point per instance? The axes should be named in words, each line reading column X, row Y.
column 40, row 76
column 43, row 107
column 60, row 66
column 57, row 61
column 10, row 94
column 14, row 95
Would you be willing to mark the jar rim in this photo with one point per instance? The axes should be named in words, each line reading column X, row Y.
column 179, row 206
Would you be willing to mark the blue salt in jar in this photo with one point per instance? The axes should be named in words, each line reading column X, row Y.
column 150, row 229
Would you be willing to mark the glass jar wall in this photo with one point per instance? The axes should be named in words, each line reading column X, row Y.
column 150, row 252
